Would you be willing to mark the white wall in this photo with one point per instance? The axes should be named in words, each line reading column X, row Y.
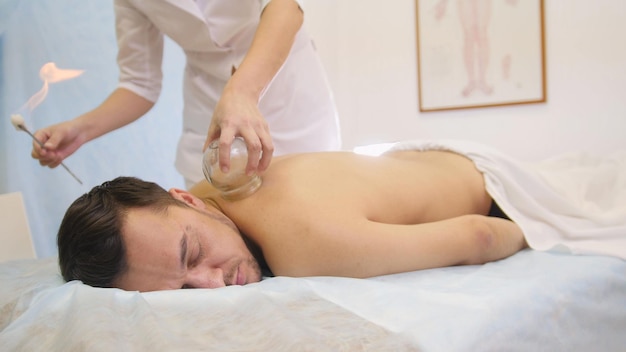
column 369, row 50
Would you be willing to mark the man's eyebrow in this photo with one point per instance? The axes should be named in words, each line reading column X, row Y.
column 183, row 250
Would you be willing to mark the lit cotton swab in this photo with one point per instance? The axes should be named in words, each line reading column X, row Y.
column 18, row 122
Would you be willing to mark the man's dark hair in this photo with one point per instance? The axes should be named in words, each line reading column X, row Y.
column 91, row 248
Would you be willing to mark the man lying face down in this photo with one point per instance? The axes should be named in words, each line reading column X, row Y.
column 316, row 214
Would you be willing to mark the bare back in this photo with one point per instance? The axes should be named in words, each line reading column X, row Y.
column 405, row 187
column 309, row 200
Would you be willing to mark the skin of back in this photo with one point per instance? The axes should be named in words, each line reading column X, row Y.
column 345, row 214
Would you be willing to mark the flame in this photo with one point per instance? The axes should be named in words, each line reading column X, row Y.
column 49, row 73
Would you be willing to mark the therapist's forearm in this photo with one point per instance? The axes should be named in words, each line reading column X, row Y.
column 119, row 109
column 272, row 42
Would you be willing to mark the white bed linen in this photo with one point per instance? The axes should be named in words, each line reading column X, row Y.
column 532, row 301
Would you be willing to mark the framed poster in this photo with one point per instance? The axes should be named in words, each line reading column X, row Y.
column 478, row 53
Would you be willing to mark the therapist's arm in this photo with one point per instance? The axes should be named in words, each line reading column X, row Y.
column 61, row 140
column 237, row 113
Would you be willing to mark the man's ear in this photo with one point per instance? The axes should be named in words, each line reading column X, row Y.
column 187, row 197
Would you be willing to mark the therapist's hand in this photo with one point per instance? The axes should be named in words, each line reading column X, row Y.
column 237, row 114
column 60, row 141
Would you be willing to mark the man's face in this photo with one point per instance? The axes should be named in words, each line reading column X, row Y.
column 184, row 248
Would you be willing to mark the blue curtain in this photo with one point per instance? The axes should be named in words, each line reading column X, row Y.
column 76, row 34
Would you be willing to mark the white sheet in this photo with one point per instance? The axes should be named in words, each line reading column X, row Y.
column 532, row 301
column 573, row 203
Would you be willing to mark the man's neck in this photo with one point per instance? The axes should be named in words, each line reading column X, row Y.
column 258, row 255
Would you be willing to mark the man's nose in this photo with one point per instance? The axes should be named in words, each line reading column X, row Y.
column 203, row 277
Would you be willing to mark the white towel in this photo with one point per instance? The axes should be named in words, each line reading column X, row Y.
column 574, row 203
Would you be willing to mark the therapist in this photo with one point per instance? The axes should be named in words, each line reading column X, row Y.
column 251, row 71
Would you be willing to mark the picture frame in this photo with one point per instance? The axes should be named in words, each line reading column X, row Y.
column 480, row 53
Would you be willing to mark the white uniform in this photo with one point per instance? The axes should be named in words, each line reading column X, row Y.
column 215, row 36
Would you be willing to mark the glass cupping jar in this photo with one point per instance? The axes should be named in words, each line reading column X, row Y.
column 235, row 184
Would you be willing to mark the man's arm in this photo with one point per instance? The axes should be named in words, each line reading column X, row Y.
column 372, row 249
